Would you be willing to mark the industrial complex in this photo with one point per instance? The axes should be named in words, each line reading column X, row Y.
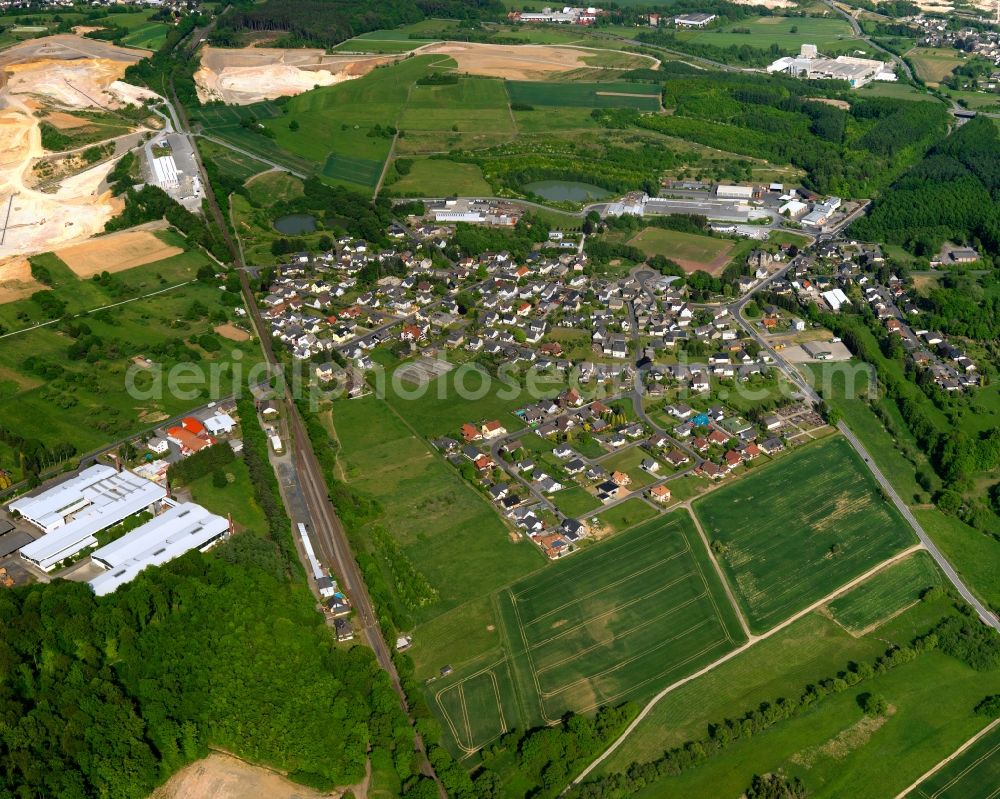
column 810, row 64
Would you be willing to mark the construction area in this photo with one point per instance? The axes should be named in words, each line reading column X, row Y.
column 251, row 74
column 45, row 81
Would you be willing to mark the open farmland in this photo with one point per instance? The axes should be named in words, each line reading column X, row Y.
column 585, row 95
column 973, row 774
column 793, row 532
column 689, row 250
column 614, row 622
column 449, row 532
column 934, row 64
column 788, row 33
column 886, row 594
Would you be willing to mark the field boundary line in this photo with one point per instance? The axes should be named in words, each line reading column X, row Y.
column 648, row 708
column 102, row 308
column 940, row 765
column 722, row 577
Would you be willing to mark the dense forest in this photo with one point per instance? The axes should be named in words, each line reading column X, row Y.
column 107, row 697
column 952, row 194
column 325, row 23
column 853, row 153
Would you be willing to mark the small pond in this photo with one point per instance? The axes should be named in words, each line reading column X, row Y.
column 295, row 224
column 566, row 190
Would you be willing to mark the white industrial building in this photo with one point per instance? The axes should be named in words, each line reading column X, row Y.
column 835, row 298
column 220, row 423
column 693, row 20
column 821, row 212
column 73, row 512
column 171, row 534
column 165, row 172
column 734, row 192
column 857, row 72
column 793, row 209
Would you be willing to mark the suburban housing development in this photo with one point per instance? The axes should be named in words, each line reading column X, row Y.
column 499, row 400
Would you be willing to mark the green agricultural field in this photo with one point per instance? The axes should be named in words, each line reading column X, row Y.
column 974, row 774
column 789, row 33
column 480, row 101
column 795, row 531
column 363, row 44
column 445, row 404
column 585, row 95
column 832, row 747
column 437, row 177
column 341, row 119
column 89, row 404
column 450, row 532
column 613, row 622
column 230, row 163
column 705, row 251
column 346, row 169
column 885, row 595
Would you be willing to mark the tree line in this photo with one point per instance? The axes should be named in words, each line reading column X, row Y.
column 960, row 636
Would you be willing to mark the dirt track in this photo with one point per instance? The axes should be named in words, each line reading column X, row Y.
column 517, row 62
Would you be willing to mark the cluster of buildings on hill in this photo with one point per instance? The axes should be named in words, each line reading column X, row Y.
column 935, row 32
column 810, row 64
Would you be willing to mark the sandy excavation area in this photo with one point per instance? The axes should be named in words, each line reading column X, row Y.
column 220, row 776
column 519, row 61
column 116, row 252
column 59, row 75
column 252, row 74
column 16, row 281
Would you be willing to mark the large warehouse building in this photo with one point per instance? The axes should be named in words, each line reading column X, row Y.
column 73, row 512
column 857, row 72
column 171, row 534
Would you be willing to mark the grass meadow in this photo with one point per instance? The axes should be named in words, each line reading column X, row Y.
column 789, row 33
column 833, row 747
column 450, row 532
column 678, row 245
column 585, row 95
column 797, row 530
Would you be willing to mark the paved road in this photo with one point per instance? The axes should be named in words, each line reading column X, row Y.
column 987, row 616
column 809, row 393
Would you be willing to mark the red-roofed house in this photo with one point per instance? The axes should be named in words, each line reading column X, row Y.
column 493, row 429
column 470, row 432
column 192, row 425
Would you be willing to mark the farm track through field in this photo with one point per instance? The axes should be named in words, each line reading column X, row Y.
column 958, row 777
column 647, row 709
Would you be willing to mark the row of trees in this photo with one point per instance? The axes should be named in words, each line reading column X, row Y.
column 328, row 22
column 961, row 637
